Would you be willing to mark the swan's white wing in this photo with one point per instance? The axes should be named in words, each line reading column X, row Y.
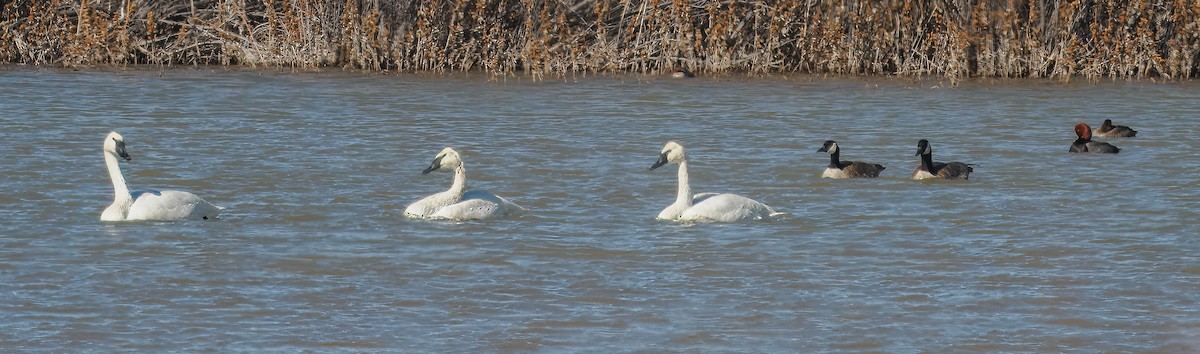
column 696, row 199
column 427, row 206
column 675, row 210
column 477, row 205
column 470, row 209
column 170, row 205
column 505, row 205
column 727, row 208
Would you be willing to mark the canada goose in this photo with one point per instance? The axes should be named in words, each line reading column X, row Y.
column 930, row 169
column 846, row 169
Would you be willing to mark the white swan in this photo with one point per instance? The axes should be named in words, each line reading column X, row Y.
column 148, row 205
column 705, row 206
column 457, row 203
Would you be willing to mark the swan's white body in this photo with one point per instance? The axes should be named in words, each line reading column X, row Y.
column 148, row 205
column 716, row 207
column 457, row 203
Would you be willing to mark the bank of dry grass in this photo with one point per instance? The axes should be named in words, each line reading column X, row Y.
column 955, row 39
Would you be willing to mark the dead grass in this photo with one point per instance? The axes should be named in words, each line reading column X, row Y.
column 954, row 39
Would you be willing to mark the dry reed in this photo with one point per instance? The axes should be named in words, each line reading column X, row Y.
column 955, row 39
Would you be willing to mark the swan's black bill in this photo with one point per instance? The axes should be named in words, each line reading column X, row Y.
column 121, row 151
column 662, row 160
column 437, row 163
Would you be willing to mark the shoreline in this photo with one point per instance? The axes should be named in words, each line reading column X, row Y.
column 875, row 80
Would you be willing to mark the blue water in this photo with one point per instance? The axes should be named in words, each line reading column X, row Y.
column 1041, row 250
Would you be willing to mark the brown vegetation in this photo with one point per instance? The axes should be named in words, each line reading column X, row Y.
column 949, row 38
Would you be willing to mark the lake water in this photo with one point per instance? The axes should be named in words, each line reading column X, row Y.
column 1041, row 250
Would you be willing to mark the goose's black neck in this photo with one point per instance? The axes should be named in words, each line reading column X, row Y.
column 927, row 162
column 834, row 161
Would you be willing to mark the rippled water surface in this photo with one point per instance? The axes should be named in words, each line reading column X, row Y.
column 1040, row 251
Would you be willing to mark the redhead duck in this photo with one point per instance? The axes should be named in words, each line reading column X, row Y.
column 1085, row 144
column 680, row 72
column 1108, row 130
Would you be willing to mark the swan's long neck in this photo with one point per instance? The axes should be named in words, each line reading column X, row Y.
column 685, row 190
column 121, row 197
column 460, row 182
